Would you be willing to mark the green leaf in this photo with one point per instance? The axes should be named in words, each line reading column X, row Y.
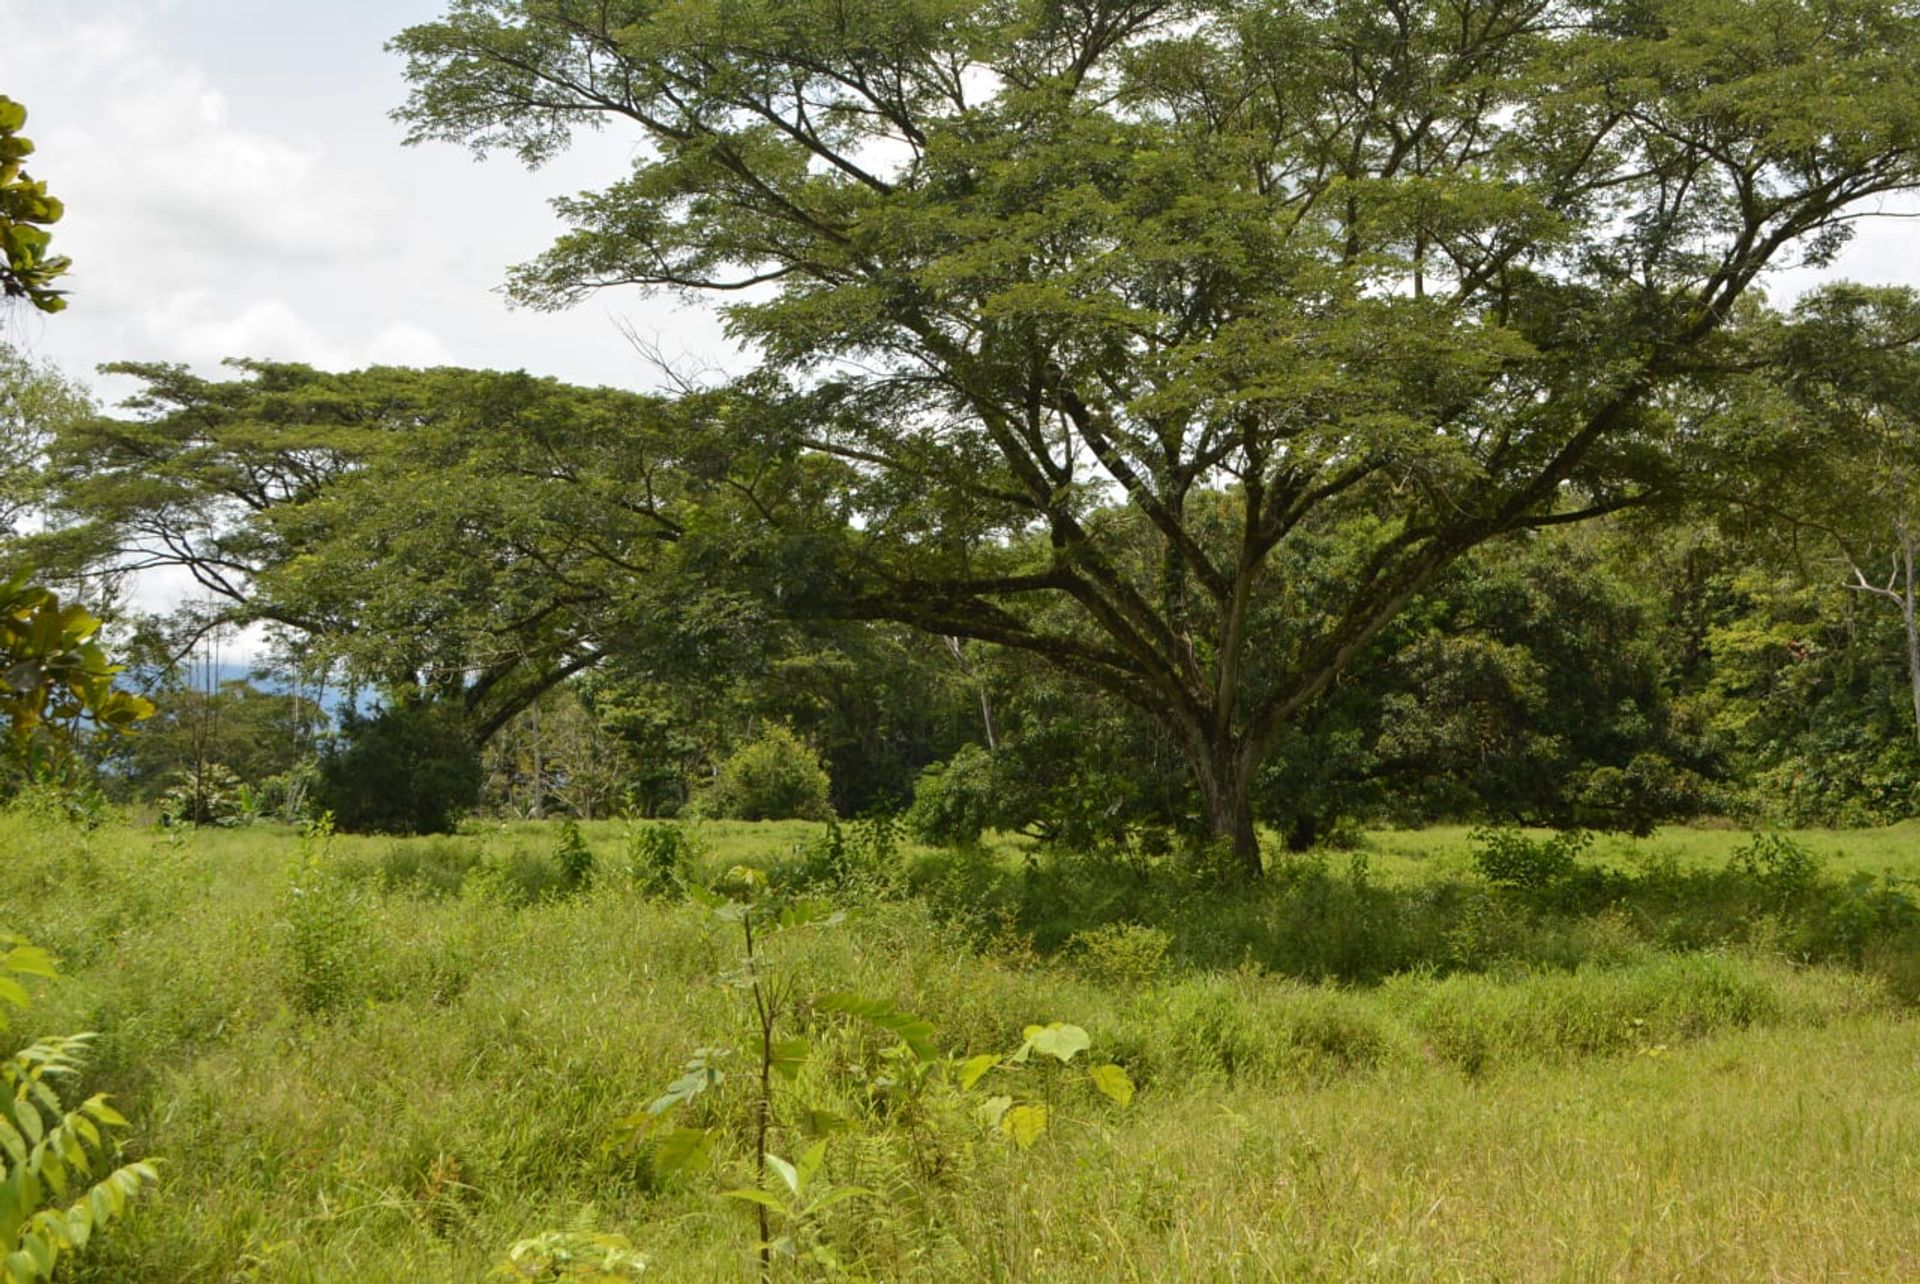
column 40, row 1249
column 1025, row 1123
column 752, row 1196
column 26, row 1116
column 838, row 1195
column 680, row 1149
column 810, row 1160
column 913, row 1031
column 823, row 1123
column 1113, row 1081
column 811, row 912
column 788, row 1175
column 973, row 1069
column 106, row 1114
column 991, row 1111
column 1058, row 1040
column 790, row 1057
column 30, row 960
column 12, row 1142
column 701, row 1075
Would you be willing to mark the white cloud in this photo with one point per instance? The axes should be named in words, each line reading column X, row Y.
column 224, row 209
column 405, row 344
column 199, row 327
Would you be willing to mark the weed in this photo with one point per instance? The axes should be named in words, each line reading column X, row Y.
column 1509, row 858
column 1123, row 954
column 661, row 858
column 325, row 927
column 572, row 855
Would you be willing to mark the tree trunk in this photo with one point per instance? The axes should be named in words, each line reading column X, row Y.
column 1908, row 617
column 1226, row 781
column 1303, row 833
column 539, row 808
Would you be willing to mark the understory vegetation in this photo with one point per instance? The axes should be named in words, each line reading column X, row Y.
column 1441, row 1053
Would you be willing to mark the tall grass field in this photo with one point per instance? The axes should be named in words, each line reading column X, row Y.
column 1688, row 1057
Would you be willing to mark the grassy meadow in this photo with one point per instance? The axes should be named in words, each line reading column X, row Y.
column 368, row 1059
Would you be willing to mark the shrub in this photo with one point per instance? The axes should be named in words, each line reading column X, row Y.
column 1509, row 858
column 1783, row 870
column 661, row 858
column 324, row 926
column 210, row 794
column 1123, row 953
column 953, row 801
column 863, row 855
column 572, row 855
column 408, row 770
column 47, row 1207
column 776, row 776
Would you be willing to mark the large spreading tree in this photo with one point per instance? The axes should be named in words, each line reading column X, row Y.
column 1184, row 343
column 446, row 536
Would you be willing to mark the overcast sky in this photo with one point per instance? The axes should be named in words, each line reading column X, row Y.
column 235, row 188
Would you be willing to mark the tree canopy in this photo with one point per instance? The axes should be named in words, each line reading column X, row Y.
column 1184, row 343
column 442, row 535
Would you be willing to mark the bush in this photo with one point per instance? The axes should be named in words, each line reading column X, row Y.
column 953, row 801
column 777, row 776
column 573, row 856
column 660, row 859
column 408, row 770
column 861, row 856
column 210, row 794
column 1508, row 858
column 1124, row 954
column 1783, row 870
column 324, row 930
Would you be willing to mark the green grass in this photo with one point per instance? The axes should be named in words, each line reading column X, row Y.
column 1576, row 1090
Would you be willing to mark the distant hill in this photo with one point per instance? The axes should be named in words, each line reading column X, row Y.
column 333, row 699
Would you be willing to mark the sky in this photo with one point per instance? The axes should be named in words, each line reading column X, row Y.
column 234, row 187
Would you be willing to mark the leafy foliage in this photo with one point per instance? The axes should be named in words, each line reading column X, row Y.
column 324, row 967
column 661, row 857
column 775, row 776
column 26, row 210
column 955, row 801
column 56, row 682
column 586, row 1257
column 1023, row 1120
column 573, row 856
column 1510, row 858
column 50, row 1204
column 409, row 769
